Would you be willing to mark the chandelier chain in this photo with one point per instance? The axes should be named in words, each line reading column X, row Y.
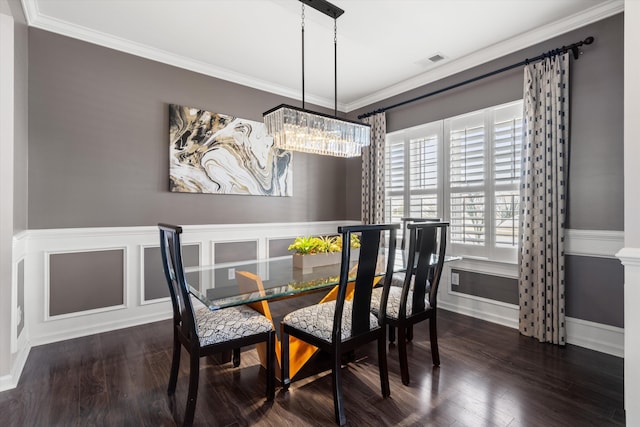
column 302, row 35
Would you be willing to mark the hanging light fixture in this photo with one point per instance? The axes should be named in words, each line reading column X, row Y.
column 298, row 129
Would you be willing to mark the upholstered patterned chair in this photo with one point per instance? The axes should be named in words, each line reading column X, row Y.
column 203, row 332
column 340, row 326
column 416, row 300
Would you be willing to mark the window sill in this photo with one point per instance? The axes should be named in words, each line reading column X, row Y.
column 486, row 266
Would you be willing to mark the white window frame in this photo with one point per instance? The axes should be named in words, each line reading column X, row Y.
column 405, row 137
column 488, row 251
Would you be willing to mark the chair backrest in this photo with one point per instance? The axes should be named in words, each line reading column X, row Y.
column 427, row 240
column 372, row 240
column 408, row 220
column 171, row 250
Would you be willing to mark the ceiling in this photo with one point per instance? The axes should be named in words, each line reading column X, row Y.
column 383, row 45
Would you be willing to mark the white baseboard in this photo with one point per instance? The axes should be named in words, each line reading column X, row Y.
column 93, row 327
column 484, row 309
column 7, row 382
column 595, row 336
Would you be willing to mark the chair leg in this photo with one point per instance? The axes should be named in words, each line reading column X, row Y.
column 402, row 355
column 194, row 376
column 271, row 386
column 392, row 334
column 382, row 366
column 433, row 337
column 175, row 364
column 336, row 381
column 236, row 357
column 409, row 333
column 284, row 358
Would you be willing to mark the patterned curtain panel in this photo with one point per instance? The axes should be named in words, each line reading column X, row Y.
column 373, row 171
column 544, row 177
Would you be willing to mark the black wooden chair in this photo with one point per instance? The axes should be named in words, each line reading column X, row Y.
column 340, row 326
column 203, row 332
column 416, row 300
column 398, row 278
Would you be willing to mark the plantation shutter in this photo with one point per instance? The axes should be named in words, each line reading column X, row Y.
column 423, row 177
column 394, row 181
column 467, row 179
column 507, row 143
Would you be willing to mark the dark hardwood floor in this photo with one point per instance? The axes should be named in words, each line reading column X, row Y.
column 489, row 376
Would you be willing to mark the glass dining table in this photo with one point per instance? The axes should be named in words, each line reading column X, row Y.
column 258, row 282
column 217, row 286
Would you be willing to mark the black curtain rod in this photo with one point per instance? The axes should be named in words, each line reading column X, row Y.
column 572, row 47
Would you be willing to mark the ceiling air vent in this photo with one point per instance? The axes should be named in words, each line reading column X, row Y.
column 431, row 59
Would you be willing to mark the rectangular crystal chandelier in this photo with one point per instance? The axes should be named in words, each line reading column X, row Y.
column 297, row 129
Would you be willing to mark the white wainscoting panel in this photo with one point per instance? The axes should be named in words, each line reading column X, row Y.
column 133, row 240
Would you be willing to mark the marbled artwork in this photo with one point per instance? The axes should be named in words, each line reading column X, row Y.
column 216, row 153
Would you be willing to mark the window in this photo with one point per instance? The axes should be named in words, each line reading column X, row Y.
column 465, row 169
column 412, row 160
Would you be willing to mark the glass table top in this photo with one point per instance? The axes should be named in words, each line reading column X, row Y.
column 216, row 286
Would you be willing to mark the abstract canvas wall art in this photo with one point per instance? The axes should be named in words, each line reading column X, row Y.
column 220, row 154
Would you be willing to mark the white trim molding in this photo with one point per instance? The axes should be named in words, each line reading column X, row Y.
column 9, row 381
column 484, row 266
column 593, row 243
column 595, row 336
column 630, row 257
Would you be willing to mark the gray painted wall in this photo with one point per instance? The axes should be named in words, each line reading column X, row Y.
column 596, row 142
column 595, row 289
column 85, row 281
column 155, row 284
column 21, row 111
column 497, row 288
column 99, row 155
column 235, row 251
column 279, row 247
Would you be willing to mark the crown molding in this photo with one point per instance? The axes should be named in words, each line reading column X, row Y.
column 498, row 50
column 37, row 20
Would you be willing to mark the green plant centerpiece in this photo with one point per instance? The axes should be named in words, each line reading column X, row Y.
column 316, row 251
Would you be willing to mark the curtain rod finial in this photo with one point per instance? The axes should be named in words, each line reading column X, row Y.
column 588, row 40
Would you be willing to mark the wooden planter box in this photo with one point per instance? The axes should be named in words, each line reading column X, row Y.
column 308, row 262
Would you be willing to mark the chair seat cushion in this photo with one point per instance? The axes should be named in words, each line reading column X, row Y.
column 393, row 302
column 228, row 324
column 397, row 279
column 317, row 320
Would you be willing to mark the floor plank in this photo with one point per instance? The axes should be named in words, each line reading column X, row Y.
column 489, row 376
